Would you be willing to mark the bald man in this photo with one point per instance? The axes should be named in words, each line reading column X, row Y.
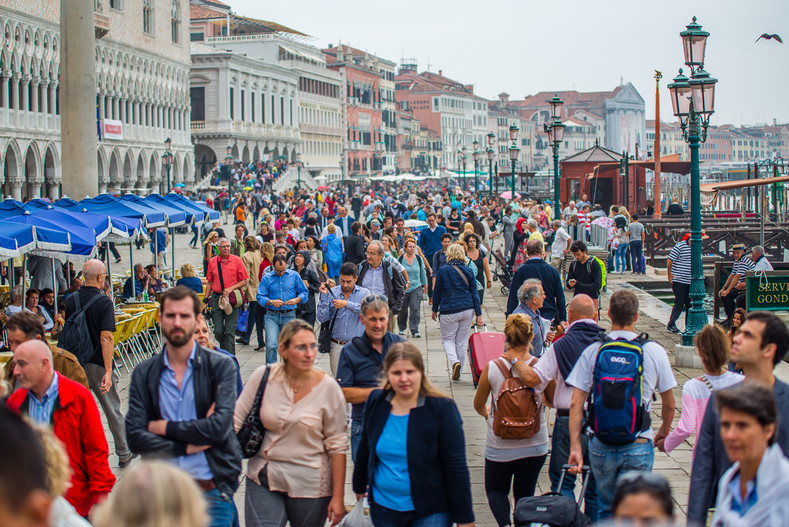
column 555, row 365
column 96, row 357
column 51, row 399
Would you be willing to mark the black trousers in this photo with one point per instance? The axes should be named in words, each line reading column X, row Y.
column 730, row 303
column 520, row 474
column 681, row 302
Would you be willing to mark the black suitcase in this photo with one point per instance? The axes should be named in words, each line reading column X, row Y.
column 552, row 509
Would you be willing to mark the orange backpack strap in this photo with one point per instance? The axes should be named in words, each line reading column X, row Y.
column 503, row 367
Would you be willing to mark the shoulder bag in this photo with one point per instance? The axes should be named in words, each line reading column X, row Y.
column 250, row 435
column 236, row 298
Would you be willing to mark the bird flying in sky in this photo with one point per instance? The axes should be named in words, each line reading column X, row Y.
column 767, row 36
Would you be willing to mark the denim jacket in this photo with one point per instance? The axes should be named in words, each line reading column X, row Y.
column 451, row 293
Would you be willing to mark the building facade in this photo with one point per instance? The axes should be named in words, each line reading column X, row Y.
column 243, row 103
column 142, row 96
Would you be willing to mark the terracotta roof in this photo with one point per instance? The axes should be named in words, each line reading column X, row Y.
column 571, row 98
column 201, row 11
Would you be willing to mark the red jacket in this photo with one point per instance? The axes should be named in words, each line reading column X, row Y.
column 78, row 425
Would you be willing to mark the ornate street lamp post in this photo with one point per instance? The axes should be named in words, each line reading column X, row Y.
column 491, row 154
column 514, row 151
column 693, row 101
column 298, row 166
column 462, row 161
column 226, row 167
column 475, row 157
column 555, row 133
column 167, row 161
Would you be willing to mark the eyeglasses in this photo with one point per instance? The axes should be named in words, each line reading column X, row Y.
column 224, row 247
column 649, row 479
column 373, row 298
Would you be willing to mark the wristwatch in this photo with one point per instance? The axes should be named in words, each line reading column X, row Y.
column 513, row 361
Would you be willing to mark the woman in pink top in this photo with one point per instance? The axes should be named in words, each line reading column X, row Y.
column 713, row 345
column 298, row 476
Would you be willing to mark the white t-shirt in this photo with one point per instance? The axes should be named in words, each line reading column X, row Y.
column 657, row 371
column 559, row 242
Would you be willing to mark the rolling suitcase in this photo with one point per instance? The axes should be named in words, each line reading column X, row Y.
column 483, row 347
column 552, row 509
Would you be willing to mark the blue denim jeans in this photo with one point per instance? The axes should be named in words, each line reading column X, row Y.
column 221, row 509
column 608, row 462
column 621, row 253
column 356, row 438
column 560, row 452
column 383, row 517
column 635, row 254
column 275, row 320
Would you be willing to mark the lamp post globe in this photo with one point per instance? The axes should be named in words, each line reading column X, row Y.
column 475, row 157
column 491, row 153
column 167, row 161
column 514, row 153
column 226, row 167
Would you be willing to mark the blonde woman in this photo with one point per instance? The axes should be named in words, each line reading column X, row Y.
column 412, row 457
column 189, row 278
column 209, row 249
column 252, row 259
column 153, row 494
column 456, row 299
column 61, row 514
column 298, row 476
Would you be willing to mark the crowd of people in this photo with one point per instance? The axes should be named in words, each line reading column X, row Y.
column 346, row 274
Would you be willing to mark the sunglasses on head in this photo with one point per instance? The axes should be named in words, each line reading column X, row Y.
column 373, row 298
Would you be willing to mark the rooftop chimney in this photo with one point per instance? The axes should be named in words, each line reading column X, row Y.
column 440, row 73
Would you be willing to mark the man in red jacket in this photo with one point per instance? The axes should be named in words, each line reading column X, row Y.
column 47, row 397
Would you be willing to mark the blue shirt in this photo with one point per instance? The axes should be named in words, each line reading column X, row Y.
column 40, row 411
column 159, row 243
column 536, row 325
column 739, row 505
column 285, row 287
column 178, row 404
column 348, row 324
column 430, row 241
column 391, row 480
column 192, row 282
column 127, row 293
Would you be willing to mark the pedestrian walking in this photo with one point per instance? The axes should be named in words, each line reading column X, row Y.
column 333, row 252
column 415, row 266
column 298, row 475
column 475, row 255
column 678, row 268
column 378, row 275
column 412, row 455
column 226, row 276
column 585, row 275
column 536, row 267
column 431, row 242
column 252, row 259
column 179, row 411
column 306, row 310
column 628, row 445
column 279, row 293
column 455, row 298
column 531, row 297
column 510, row 463
column 637, row 236
column 99, row 362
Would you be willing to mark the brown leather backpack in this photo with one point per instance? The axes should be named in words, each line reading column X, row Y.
column 516, row 409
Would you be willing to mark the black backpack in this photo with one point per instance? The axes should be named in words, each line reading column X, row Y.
column 74, row 336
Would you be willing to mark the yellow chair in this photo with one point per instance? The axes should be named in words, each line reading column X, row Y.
column 117, row 336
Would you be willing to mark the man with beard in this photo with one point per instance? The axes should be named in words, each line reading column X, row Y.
column 181, row 404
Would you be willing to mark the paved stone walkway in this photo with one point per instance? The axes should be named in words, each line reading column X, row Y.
column 674, row 466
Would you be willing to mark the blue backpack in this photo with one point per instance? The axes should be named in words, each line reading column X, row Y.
column 617, row 409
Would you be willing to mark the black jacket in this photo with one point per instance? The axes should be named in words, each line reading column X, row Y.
column 354, row 249
column 436, row 452
column 394, row 285
column 711, row 460
column 554, row 305
column 588, row 277
column 214, row 382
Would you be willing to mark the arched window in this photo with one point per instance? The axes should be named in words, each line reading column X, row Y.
column 147, row 16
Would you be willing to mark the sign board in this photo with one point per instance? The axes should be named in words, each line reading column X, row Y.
column 113, row 129
column 769, row 292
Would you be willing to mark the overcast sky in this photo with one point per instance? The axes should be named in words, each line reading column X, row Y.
column 523, row 46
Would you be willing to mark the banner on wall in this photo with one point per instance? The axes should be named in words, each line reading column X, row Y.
column 113, row 129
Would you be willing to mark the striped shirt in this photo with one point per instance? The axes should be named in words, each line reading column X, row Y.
column 583, row 219
column 680, row 262
column 742, row 266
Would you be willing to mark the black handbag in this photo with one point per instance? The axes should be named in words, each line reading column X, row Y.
column 250, row 435
column 324, row 336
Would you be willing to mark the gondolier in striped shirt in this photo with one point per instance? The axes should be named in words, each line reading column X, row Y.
column 678, row 272
column 735, row 284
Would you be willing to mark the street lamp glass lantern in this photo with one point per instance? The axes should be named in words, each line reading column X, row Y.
column 694, row 44
column 491, row 154
column 167, row 143
column 514, row 153
column 475, row 155
column 514, row 132
column 298, row 157
column 491, row 139
column 475, row 144
column 229, row 150
column 680, row 96
column 556, row 107
column 702, row 91
column 557, row 132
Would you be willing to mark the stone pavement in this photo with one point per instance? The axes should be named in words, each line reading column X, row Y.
column 674, row 466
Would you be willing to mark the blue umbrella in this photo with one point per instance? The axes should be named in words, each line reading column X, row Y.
column 123, row 227
column 11, row 207
column 39, row 239
column 111, row 206
column 174, row 216
column 98, row 223
column 8, row 247
column 209, row 214
column 172, row 208
column 83, row 241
